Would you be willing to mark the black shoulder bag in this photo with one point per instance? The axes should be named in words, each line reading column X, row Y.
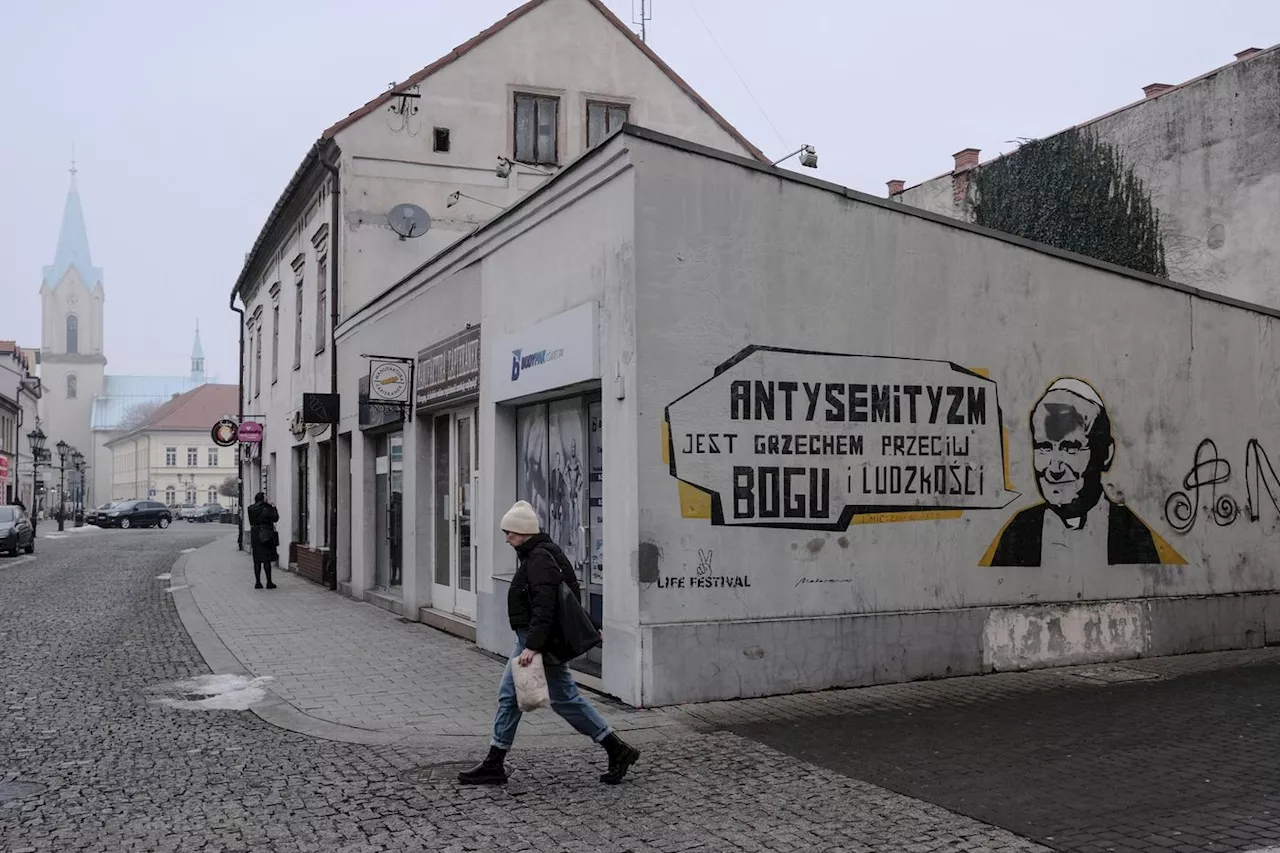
column 576, row 635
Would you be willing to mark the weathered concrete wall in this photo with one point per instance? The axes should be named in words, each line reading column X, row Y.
column 1209, row 151
column 918, row 337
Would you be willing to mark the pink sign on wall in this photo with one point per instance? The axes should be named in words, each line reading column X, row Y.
column 250, row 432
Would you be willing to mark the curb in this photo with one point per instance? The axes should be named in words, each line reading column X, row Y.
column 279, row 712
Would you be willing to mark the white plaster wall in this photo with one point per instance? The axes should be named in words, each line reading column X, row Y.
column 576, row 253
column 564, row 48
column 422, row 316
column 728, row 257
column 273, row 403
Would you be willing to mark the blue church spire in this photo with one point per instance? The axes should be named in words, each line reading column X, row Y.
column 73, row 244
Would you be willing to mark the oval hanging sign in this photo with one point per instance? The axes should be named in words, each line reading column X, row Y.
column 250, row 432
column 225, row 432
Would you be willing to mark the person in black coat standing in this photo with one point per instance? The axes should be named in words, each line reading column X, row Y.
column 263, row 539
column 532, row 604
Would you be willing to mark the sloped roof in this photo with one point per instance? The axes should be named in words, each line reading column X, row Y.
column 121, row 394
column 73, row 245
column 483, row 36
column 200, row 408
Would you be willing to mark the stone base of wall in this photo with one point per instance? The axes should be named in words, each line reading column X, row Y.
column 308, row 562
column 730, row 660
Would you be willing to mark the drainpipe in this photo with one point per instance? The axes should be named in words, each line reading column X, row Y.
column 334, row 267
column 239, row 419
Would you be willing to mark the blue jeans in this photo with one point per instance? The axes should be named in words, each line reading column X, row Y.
column 565, row 701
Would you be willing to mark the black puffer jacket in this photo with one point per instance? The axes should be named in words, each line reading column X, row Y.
column 531, row 601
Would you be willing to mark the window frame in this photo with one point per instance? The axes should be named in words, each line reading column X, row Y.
column 297, row 322
column 609, row 106
column 515, row 127
column 211, row 458
column 72, row 327
column 193, row 457
column 322, row 302
column 71, row 386
column 171, row 457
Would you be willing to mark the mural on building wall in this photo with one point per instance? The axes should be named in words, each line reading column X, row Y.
column 1078, row 523
column 1209, row 471
column 813, row 440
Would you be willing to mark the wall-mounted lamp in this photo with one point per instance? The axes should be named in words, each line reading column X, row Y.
column 808, row 156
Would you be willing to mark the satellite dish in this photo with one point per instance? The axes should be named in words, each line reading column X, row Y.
column 409, row 220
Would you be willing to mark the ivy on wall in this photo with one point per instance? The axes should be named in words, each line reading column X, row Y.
column 1073, row 192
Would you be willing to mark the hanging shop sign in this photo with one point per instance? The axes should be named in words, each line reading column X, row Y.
column 225, row 432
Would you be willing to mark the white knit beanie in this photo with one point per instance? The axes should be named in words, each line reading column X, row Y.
column 521, row 519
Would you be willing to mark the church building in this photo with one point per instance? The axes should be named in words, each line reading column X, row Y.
column 82, row 404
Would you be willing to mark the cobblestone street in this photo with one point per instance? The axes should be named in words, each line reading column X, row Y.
column 89, row 760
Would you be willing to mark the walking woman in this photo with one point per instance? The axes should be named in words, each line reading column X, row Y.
column 532, row 611
column 263, row 538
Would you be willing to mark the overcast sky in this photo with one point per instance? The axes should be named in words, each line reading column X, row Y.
column 189, row 118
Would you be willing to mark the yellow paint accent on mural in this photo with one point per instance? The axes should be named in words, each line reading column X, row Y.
column 990, row 555
column 694, row 503
column 1168, row 554
column 922, row 515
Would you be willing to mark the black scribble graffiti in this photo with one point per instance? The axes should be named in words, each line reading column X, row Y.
column 704, row 562
column 1208, row 472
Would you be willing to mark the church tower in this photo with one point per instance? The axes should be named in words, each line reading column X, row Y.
column 197, row 359
column 73, row 365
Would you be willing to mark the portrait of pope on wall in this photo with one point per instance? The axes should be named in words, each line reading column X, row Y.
column 1078, row 523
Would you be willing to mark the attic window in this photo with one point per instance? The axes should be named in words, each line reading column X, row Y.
column 441, row 135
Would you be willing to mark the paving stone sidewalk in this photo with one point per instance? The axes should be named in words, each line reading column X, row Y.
column 353, row 664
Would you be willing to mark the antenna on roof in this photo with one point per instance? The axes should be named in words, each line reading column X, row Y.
column 642, row 16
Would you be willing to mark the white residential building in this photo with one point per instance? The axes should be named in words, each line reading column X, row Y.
column 19, row 414
column 539, row 88
column 171, row 457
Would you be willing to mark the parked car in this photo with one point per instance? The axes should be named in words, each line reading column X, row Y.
column 126, row 514
column 186, row 512
column 204, row 514
column 16, row 531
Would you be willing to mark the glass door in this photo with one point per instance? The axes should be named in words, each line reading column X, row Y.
column 389, row 512
column 456, row 479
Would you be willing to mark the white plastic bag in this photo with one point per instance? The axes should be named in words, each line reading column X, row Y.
column 531, row 684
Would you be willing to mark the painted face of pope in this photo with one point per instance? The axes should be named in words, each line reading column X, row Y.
column 1073, row 447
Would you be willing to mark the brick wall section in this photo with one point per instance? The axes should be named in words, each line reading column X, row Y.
column 308, row 562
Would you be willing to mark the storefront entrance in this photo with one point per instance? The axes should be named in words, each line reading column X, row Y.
column 389, row 512
column 560, row 471
column 455, row 480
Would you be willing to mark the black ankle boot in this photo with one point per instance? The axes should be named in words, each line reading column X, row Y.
column 487, row 772
column 621, row 756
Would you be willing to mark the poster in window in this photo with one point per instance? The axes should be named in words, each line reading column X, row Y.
column 567, row 478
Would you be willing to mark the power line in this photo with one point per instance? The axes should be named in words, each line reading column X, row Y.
column 716, row 42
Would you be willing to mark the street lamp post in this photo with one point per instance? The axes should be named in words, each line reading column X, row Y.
column 36, row 438
column 77, row 503
column 63, row 450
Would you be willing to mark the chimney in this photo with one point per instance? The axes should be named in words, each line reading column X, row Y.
column 1156, row 89
column 896, row 187
column 1248, row 52
column 966, row 159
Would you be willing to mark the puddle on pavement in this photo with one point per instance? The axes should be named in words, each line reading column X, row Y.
column 215, row 693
